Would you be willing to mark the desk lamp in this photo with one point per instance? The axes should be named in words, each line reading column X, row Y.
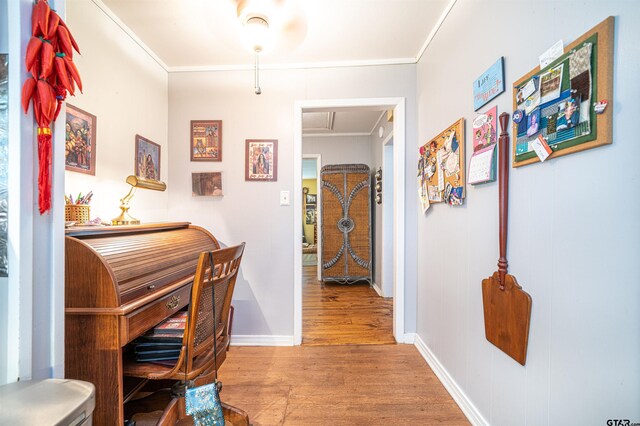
column 136, row 182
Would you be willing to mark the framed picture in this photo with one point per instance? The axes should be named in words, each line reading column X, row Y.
column 310, row 215
column 261, row 160
column 80, row 141
column 147, row 159
column 206, row 140
column 206, row 184
column 311, row 198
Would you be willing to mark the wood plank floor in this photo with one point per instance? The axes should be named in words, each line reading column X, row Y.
column 341, row 314
column 336, row 385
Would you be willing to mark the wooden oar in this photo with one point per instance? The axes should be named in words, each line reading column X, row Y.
column 507, row 308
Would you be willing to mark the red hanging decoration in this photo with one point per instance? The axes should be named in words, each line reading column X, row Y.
column 49, row 59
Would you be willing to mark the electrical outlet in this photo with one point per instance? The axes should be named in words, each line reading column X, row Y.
column 285, row 198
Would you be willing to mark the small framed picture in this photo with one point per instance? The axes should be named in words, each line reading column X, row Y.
column 310, row 215
column 147, row 159
column 206, row 184
column 206, row 140
column 261, row 160
column 311, row 198
column 80, row 141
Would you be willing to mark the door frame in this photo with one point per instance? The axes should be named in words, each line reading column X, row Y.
column 318, row 158
column 399, row 145
column 386, row 218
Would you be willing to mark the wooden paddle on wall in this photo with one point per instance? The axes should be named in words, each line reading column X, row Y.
column 507, row 308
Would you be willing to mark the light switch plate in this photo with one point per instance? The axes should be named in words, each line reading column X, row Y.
column 285, row 198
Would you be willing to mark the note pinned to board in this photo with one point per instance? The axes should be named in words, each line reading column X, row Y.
column 541, row 147
column 553, row 53
column 482, row 167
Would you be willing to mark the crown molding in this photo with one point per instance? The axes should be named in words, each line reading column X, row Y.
column 128, row 31
column 435, row 29
column 303, row 65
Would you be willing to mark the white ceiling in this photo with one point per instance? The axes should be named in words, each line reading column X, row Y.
column 343, row 122
column 205, row 34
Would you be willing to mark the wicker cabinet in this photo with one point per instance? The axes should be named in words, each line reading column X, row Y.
column 346, row 223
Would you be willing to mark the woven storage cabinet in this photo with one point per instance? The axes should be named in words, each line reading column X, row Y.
column 346, row 223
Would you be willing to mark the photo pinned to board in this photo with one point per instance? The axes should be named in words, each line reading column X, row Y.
column 568, row 114
column 533, row 122
column 550, row 84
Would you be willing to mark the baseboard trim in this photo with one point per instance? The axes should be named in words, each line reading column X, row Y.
column 261, row 340
column 376, row 288
column 407, row 338
column 458, row 395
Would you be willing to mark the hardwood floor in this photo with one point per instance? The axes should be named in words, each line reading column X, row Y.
column 341, row 314
column 336, row 385
column 349, row 371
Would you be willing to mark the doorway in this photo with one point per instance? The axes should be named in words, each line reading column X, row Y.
column 397, row 262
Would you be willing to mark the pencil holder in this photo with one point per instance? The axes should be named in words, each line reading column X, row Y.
column 76, row 213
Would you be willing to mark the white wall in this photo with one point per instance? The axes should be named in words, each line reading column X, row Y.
column 573, row 249
column 128, row 92
column 376, row 147
column 339, row 149
column 250, row 211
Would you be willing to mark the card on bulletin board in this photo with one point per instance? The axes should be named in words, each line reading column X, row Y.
column 441, row 169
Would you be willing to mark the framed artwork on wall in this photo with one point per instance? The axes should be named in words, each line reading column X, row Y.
column 147, row 159
column 80, row 141
column 206, row 140
column 206, row 184
column 311, row 198
column 310, row 215
column 261, row 160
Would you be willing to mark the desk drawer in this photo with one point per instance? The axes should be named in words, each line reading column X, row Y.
column 145, row 318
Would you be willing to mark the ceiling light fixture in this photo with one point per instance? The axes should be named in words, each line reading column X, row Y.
column 258, row 39
column 264, row 20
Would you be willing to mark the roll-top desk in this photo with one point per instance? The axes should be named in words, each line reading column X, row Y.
column 121, row 281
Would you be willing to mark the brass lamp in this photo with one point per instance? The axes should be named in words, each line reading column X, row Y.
column 136, row 182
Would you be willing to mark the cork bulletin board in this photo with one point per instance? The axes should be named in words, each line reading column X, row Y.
column 559, row 101
column 441, row 166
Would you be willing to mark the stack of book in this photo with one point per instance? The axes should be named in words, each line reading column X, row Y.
column 163, row 342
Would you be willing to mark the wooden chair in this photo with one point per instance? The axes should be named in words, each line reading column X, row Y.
column 197, row 355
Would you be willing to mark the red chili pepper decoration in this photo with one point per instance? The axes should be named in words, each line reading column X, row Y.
column 49, row 59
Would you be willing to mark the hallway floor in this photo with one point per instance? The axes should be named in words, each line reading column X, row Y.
column 336, row 385
column 341, row 314
column 349, row 371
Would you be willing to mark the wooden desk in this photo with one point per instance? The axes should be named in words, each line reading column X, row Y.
column 121, row 281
